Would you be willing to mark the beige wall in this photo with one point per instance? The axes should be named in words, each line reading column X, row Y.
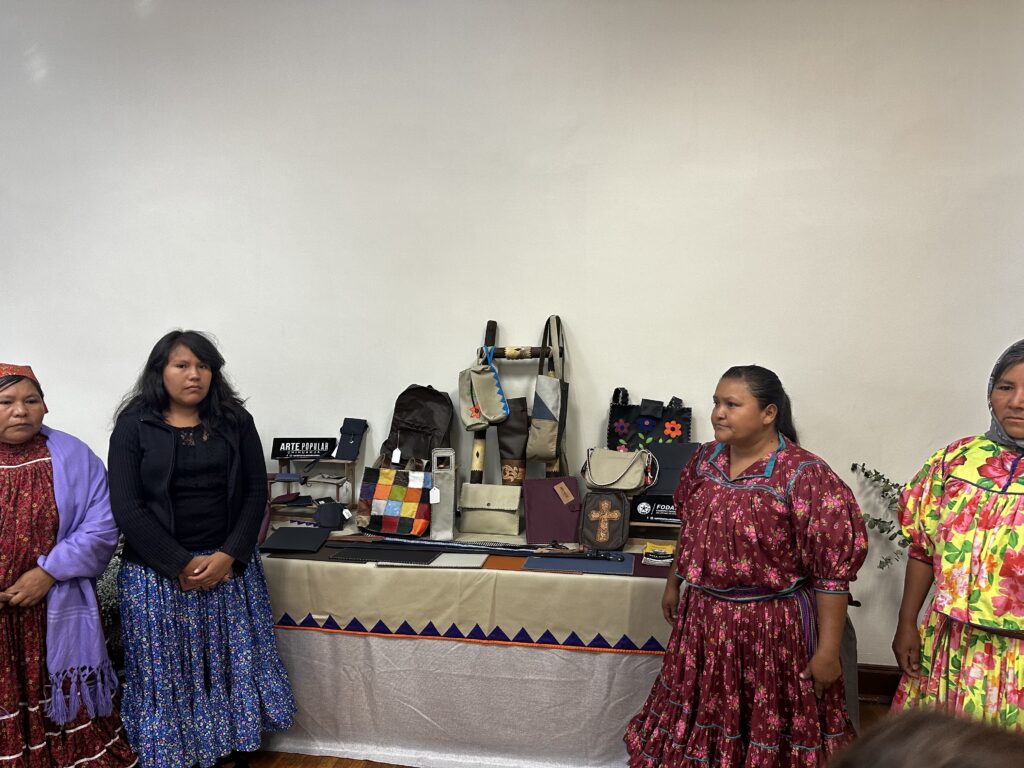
column 344, row 192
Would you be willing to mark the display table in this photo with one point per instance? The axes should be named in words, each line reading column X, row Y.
column 479, row 667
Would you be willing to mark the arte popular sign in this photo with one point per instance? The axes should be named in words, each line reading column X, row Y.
column 302, row 447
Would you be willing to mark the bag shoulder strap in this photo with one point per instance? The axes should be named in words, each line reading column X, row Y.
column 636, row 455
column 554, row 338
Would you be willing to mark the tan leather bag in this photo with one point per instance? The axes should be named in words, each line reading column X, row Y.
column 626, row 471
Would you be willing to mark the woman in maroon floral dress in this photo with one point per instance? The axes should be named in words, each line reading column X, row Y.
column 57, row 686
column 770, row 540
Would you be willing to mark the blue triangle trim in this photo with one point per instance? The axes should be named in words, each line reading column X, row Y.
column 330, row 623
column 381, row 628
column 286, row 621
column 405, row 629
column 430, row 630
column 598, row 642
column 454, row 631
column 497, row 634
column 652, row 645
column 548, row 639
column 355, row 626
column 574, row 640
column 310, row 622
column 476, row 633
column 625, row 644
column 522, row 636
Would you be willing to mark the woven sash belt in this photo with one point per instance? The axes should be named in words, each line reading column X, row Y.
column 800, row 592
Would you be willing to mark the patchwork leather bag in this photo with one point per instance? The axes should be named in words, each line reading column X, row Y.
column 396, row 501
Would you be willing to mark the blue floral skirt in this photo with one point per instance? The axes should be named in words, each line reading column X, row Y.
column 202, row 672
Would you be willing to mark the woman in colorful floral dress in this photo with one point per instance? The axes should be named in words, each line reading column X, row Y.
column 964, row 516
column 57, row 704
column 770, row 539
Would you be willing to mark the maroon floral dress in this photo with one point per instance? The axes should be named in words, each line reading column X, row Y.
column 753, row 551
column 28, row 529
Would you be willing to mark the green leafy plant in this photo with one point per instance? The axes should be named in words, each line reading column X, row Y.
column 887, row 525
column 110, row 612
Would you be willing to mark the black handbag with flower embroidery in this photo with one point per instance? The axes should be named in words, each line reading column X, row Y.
column 649, row 423
column 664, row 430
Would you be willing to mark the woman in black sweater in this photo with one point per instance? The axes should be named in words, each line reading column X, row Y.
column 188, row 490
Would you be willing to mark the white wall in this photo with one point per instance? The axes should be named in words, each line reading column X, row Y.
column 344, row 192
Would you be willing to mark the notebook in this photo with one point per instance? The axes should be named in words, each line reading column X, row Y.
column 295, row 539
column 580, row 565
column 399, row 555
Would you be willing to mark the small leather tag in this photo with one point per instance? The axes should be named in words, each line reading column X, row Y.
column 564, row 493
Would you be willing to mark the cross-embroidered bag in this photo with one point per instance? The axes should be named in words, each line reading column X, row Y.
column 604, row 523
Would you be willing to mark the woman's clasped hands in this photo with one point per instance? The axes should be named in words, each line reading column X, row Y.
column 204, row 572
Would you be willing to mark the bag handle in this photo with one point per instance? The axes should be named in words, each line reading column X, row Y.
column 620, row 396
column 651, row 466
column 553, row 338
column 636, row 455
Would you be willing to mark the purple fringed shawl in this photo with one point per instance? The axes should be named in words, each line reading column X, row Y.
column 86, row 538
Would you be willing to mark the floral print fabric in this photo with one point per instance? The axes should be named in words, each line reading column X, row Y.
column 29, row 739
column 786, row 518
column 729, row 691
column 967, row 670
column 964, row 515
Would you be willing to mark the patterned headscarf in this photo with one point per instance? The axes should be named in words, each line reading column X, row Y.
column 996, row 433
column 9, row 370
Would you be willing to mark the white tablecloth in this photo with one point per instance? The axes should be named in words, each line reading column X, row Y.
column 413, row 700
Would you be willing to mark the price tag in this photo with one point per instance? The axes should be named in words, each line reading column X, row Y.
column 564, row 493
column 435, row 496
column 396, row 456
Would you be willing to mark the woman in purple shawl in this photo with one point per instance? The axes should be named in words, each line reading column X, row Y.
column 56, row 536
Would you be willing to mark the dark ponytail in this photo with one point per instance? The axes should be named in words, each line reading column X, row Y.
column 766, row 388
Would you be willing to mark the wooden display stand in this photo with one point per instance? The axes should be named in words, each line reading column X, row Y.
column 285, row 465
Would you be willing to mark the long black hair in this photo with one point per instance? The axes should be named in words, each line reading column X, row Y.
column 221, row 402
column 767, row 389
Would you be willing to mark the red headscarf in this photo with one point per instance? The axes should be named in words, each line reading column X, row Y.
column 9, row 369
